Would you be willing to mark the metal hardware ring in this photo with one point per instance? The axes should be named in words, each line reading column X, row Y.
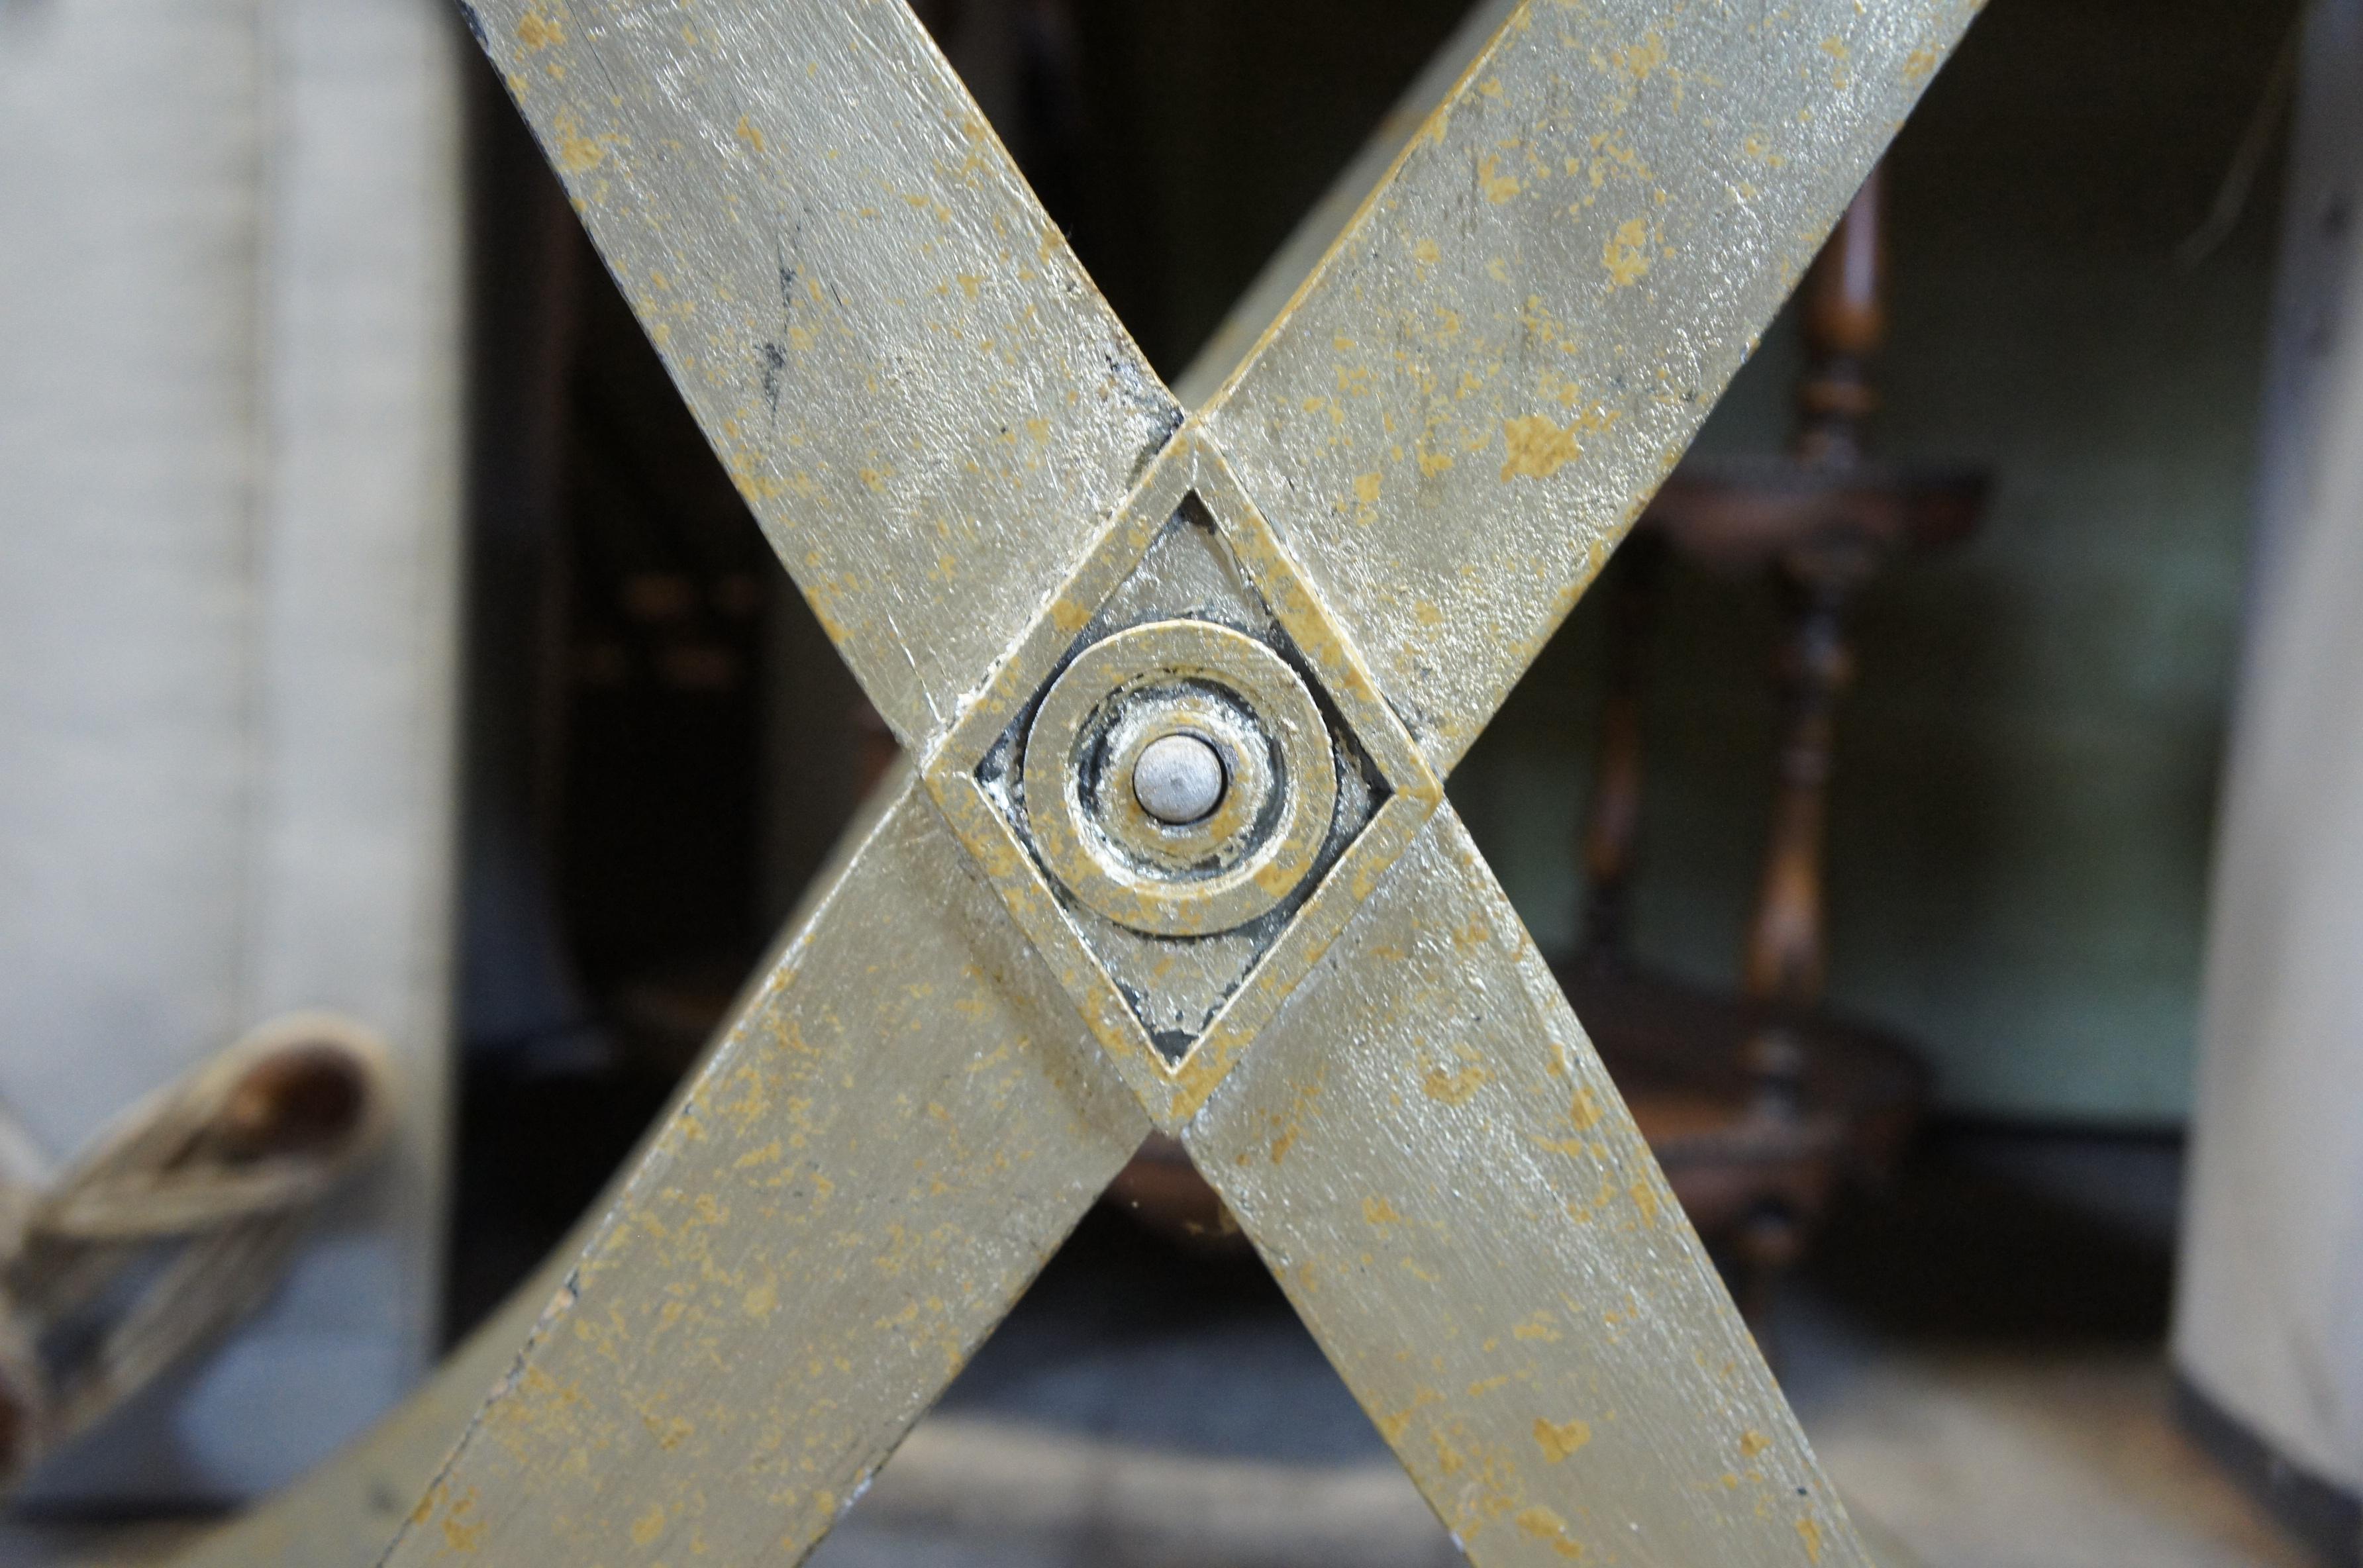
column 1222, row 687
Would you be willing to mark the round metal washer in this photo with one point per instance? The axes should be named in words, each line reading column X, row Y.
column 1179, row 778
column 1149, row 712
column 1118, row 697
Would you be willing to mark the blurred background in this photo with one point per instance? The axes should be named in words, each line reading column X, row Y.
column 377, row 633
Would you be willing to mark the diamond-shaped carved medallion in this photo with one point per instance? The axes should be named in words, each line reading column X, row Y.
column 1182, row 781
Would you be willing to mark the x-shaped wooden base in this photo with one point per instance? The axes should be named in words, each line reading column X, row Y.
column 945, row 432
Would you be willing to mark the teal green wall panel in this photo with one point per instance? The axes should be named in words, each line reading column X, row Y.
column 2027, row 768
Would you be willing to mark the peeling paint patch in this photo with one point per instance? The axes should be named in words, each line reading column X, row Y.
column 1560, row 1439
column 1546, row 1526
column 1454, row 1086
column 1626, row 253
column 1537, row 447
column 577, row 153
column 537, row 31
column 1498, row 187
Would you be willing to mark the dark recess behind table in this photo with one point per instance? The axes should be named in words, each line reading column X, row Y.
column 661, row 744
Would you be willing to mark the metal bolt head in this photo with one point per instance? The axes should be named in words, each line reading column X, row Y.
column 1178, row 779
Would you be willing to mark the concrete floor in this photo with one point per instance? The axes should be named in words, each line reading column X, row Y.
column 1947, row 1462
column 1996, row 1460
column 1976, row 1356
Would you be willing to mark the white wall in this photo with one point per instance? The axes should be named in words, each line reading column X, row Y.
column 230, row 354
column 2269, row 1319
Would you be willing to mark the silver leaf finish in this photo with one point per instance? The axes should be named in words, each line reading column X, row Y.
column 967, row 468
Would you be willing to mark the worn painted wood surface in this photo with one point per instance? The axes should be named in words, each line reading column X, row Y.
column 865, row 309
column 1469, row 402
column 905, row 1119
column 927, row 406
column 1429, row 1154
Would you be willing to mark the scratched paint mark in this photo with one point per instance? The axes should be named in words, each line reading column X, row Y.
column 1537, row 447
column 1560, row 1439
column 775, row 363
